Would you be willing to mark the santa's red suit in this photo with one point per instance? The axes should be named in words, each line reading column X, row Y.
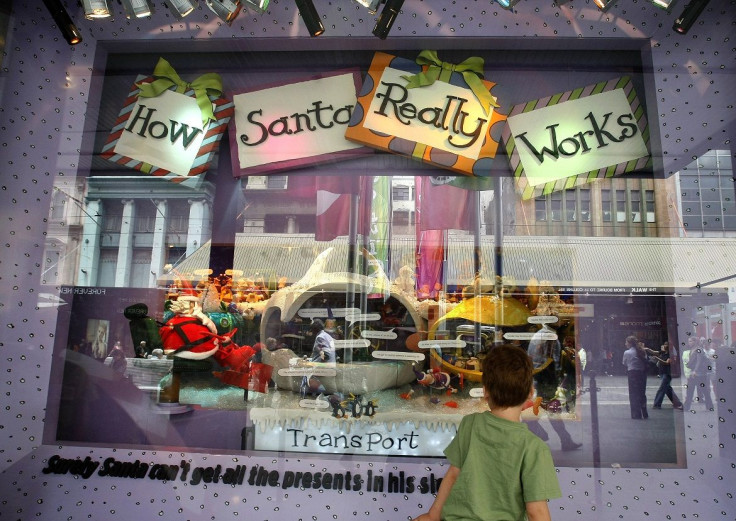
column 187, row 337
column 193, row 336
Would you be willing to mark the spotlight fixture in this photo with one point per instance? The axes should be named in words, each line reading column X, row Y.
column 604, row 5
column 371, row 5
column 137, row 8
column 226, row 10
column 94, row 9
column 68, row 30
column 310, row 16
column 258, row 6
column 507, row 4
column 689, row 15
column 181, row 8
column 387, row 18
column 665, row 4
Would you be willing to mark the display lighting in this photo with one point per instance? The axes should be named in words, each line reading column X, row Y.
column 371, row 5
column 604, row 5
column 226, row 10
column 137, row 8
column 181, row 8
column 388, row 17
column 258, row 6
column 507, row 4
column 94, row 9
column 689, row 15
column 310, row 16
column 664, row 4
column 68, row 30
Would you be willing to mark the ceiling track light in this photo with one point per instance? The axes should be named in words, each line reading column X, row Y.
column 95, row 9
column 507, row 4
column 604, row 5
column 67, row 28
column 664, row 4
column 226, row 10
column 137, row 8
column 181, row 8
column 371, row 5
column 310, row 16
column 388, row 17
column 689, row 15
column 258, row 6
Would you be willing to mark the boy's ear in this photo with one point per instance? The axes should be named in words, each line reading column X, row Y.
column 531, row 393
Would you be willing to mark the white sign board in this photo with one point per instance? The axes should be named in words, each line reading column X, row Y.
column 293, row 125
column 165, row 131
column 577, row 136
column 443, row 116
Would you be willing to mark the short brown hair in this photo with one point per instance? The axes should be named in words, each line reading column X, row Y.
column 507, row 376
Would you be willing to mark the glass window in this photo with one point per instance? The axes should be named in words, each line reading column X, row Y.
column 707, row 193
column 620, row 206
column 585, row 204
column 570, row 205
column 540, row 208
column 145, row 216
column 556, row 206
column 401, row 218
column 635, row 206
column 649, row 195
column 606, row 205
column 274, row 223
column 352, row 255
column 277, row 182
column 401, row 193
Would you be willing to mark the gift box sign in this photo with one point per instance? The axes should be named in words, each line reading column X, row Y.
column 168, row 127
column 433, row 111
column 574, row 137
column 292, row 125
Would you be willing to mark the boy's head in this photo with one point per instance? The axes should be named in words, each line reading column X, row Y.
column 507, row 376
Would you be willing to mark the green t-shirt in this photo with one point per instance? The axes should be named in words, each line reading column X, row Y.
column 502, row 467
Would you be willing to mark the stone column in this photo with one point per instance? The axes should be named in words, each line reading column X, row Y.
column 158, row 250
column 125, row 246
column 89, row 257
column 199, row 224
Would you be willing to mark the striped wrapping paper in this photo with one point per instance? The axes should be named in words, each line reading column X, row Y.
column 529, row 191
column 223, row 110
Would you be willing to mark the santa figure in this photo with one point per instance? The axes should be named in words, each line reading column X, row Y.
column 190, row 333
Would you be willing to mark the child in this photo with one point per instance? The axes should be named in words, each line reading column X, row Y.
column 498, row 468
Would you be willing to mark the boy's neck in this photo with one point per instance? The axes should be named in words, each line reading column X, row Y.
column 509, row 413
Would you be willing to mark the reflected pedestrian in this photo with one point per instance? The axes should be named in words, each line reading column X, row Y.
column 635, row 360
column 664, row 363
column 698, row 364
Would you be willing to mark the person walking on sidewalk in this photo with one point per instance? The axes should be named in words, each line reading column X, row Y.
column 698, row 363
column 664, row 363
column 635, row 360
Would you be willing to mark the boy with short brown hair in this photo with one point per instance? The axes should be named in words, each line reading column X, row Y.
column 498, row 468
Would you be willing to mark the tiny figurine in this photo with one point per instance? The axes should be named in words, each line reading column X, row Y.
column 438, row 380
column 407, row 395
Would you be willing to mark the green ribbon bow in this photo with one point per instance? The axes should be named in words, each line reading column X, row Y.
column 167, row 77
column 471, row 69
